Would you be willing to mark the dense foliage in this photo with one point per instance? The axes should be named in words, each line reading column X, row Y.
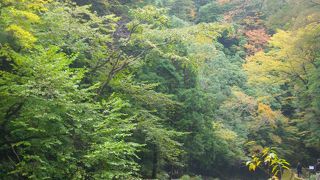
column 121, row 89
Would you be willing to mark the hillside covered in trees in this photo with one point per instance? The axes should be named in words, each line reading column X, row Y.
column 156, row 89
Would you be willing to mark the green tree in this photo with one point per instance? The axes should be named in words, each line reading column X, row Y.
column 50, row 127
column 184, row 9
column 211, row 12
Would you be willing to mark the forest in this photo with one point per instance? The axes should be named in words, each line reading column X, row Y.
column 158, row 89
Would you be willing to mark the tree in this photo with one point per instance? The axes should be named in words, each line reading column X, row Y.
column 290, row 67
column 50, row 127
column 257, row 40
column 18, row 21
column 212, row 12
column 269, row 161
column 184, row 9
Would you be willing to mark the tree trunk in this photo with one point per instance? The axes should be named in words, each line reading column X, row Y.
column 154, row 162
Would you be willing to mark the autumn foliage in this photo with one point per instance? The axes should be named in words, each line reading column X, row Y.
column 257, row 40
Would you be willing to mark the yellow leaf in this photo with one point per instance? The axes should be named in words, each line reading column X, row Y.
column 25, row 38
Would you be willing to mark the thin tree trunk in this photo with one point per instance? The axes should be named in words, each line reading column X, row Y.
column 154, row 162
